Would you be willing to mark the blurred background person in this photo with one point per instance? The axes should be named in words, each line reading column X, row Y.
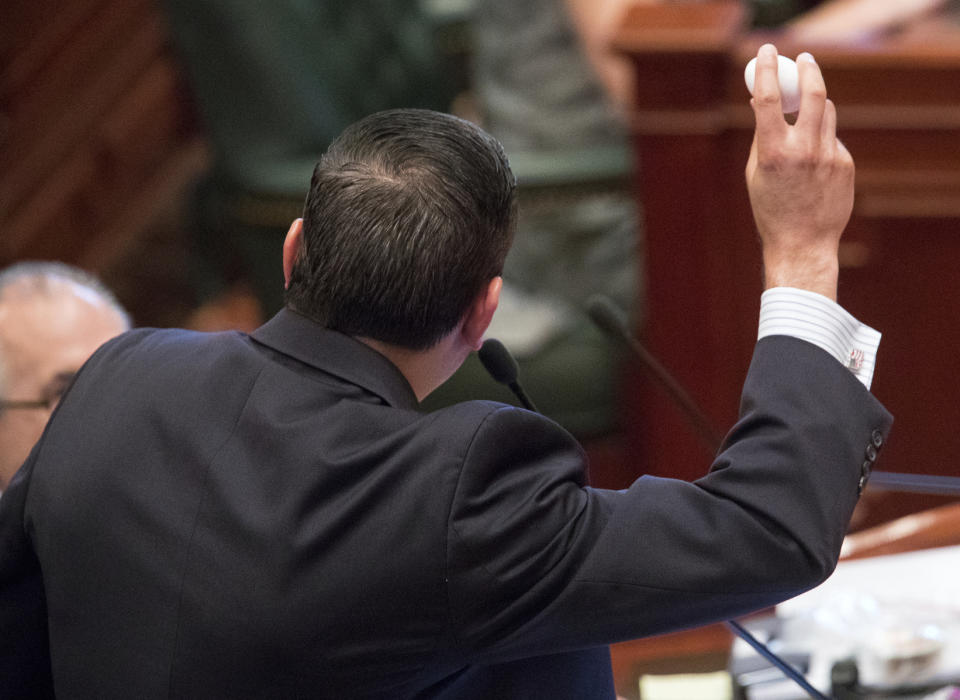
column 549, row 88
column 52, row 317
column 849, row 20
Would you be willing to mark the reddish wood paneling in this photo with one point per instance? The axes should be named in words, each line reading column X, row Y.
column 96, row 131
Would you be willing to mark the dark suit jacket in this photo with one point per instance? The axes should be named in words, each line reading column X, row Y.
column 223, row 515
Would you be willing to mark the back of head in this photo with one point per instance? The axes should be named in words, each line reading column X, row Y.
column 410, row 214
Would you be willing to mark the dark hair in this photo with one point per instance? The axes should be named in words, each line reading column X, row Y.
column 410, row 214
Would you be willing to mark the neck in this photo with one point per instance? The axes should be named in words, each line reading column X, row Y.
column 425, row 370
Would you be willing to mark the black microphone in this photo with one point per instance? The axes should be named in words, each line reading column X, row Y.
column 502, row 366
column 612, row 321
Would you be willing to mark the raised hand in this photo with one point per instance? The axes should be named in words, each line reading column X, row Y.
column 800, row 179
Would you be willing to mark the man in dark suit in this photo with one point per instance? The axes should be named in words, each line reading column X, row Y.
column 229, row 516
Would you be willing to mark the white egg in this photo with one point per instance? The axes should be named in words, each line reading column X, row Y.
column 788, row 77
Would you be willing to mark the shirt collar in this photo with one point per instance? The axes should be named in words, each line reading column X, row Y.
column 333, row 352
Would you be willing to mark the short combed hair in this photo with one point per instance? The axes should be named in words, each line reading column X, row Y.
column 43, row 278
column 410, row 214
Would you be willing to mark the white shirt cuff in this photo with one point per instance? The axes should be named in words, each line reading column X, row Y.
column 818, row 320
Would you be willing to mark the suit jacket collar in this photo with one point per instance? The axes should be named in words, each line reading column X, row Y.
column 302, row 338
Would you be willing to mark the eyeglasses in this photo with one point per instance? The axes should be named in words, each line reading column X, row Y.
column 52, row 394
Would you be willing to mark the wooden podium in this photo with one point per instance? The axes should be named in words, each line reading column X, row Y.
column 898, row 99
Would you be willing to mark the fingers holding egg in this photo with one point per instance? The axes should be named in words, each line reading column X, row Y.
column 788, row 76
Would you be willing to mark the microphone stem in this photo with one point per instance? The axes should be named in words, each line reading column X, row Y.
column 784, row 667
column 704, row 428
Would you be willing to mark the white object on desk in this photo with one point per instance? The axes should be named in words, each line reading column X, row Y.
column 788, row 75
column 927, row 577
column 898, row 615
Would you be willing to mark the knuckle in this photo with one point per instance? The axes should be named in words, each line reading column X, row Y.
column 807, row 160
column 843, row 162
column 766, row 97
column 772, row 162
column 798, row 159
column 849, row 172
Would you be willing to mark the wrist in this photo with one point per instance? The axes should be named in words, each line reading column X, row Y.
column 817, row 273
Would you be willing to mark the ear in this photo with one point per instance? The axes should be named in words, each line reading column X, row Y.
column 478, row 317
column 291, row 247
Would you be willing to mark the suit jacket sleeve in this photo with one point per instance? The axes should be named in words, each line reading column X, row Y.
column 539, row 563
